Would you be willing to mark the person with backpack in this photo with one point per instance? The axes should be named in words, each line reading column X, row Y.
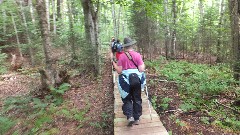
column 117, row 48
column 131, row 80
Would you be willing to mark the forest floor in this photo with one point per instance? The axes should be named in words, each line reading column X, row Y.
column 174, row 117
column 97, row 95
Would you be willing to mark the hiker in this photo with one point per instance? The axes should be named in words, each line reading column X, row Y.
column 131, row 80
column 119, row 49
column 116, row 48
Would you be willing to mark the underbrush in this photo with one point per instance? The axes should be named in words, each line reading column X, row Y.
column 31, row 115
column 210, row 90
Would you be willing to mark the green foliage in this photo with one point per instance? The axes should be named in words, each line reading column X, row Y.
column 58, row 92
column 165, row 102
column 5, row 124
column 196, row 81
column 154, row 102
column 3, row 68
column 205, row 120
column 187, row 107
column 180, row 123
column 197, row 78
column 52, row 131
column 98, row 124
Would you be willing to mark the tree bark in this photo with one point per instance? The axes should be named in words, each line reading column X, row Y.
column 59, row 10
column 114, row 19
column 118, row 23
column 72, row 36
column 27, row 35
column 31, row 11
column 167, row 31
column 174, row 38
column 16, row 32
column 91, row 30
column 221, row 11
column 201, row 20
column 48, row 13
column 51, row 70
column 54, row 18
column 234, row 7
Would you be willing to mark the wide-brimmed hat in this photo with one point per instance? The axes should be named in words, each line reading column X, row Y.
column 128, row 42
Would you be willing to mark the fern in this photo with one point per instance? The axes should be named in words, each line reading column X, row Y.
column 5, row 124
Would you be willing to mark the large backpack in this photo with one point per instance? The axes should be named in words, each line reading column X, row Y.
column 116, row 47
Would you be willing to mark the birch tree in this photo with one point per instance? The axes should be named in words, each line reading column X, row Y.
column 51, row 70
column 58, row 9
column 114, row 18
column 221, row 11
column 27, row 34
column 167, row 31
column 71, row 33
column 48, row 13
column 16, row 33
column 174, row 38
column 31, row 11
column 54, row 17
column 90, row 10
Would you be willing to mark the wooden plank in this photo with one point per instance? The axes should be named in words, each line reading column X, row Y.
column 148, row 130
column 125, row 122
column 119, row 107
column 144, row 110
column 121, row 115
column 157, row 124
column 142, row 117
column 162, row 133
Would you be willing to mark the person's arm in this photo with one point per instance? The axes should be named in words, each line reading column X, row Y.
column 141, row 68
column 140, row 63
column 117, row 68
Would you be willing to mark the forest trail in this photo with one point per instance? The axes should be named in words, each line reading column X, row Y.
column 147, row 125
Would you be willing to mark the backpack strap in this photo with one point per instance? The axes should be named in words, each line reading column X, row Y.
column 130, row 58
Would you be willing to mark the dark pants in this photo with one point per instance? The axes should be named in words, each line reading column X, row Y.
column 132, row 104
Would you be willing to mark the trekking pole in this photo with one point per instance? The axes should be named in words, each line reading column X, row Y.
column 149, row 105
column 114, row 77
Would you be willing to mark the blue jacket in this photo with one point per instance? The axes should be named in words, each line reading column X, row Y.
column 123, row 81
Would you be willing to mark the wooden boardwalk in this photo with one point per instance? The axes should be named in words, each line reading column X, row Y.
column 147, row 125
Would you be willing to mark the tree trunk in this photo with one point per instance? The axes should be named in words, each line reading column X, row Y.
column 54, row 18
column 27, row 34
column 114, row 19
column 51, row 70
column 118, row 23
column 167, row 31
column 16, row 32
column 71, row 38
column 48, row 13
column 173, row 43
column 234, row 7
column 91, row 30
column 201, row 21
column 31, row 11
column 221, row 11
column 58, row 10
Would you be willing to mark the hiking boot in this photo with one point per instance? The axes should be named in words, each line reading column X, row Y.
column 130, row 121
column 136, row 122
